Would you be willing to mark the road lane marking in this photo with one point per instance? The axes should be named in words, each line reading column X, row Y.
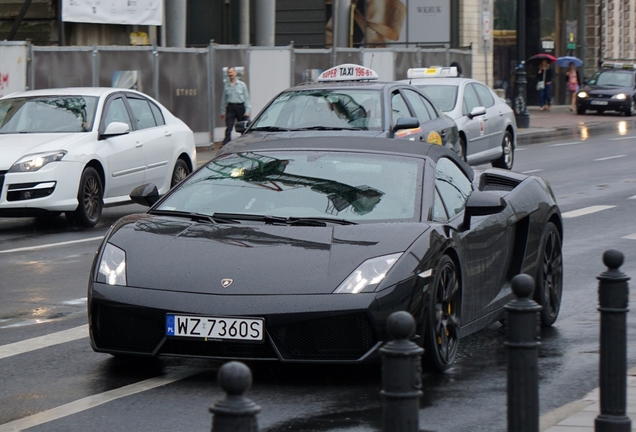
column 609, row 157
column 585, row 211
column 531, row 171
column 630, row 237
column 44, row 246
column 36, row 343
column 93, row 401
column 622, row 138
column 566, row 144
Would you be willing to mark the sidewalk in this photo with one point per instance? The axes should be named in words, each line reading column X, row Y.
column 578, row 416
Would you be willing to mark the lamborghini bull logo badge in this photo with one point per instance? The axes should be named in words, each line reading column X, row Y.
column 226, row 282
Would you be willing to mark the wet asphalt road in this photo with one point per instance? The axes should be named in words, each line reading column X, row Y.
column 41, row 292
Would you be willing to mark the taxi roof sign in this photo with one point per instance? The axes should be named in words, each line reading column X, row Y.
column 432, row 72
column 348, row 72
column 618, row 65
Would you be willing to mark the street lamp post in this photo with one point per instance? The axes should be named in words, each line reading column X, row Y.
column 520, row 104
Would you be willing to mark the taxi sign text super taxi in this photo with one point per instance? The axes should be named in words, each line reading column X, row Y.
column 348, row 72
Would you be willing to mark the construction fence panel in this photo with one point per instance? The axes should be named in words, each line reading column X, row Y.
column 57, row 67
column 127, row 67
column 13, row 67
column 183, row 88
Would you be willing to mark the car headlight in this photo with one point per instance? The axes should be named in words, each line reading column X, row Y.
column 368, row 274
column 112, row 267
column 34, row 162
column 582, row 94
column 620, row 96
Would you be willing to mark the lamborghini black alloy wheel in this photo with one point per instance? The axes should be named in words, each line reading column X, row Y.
column 442, row 333
column 550, row 276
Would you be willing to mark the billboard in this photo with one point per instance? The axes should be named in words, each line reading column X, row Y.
column 129, row 12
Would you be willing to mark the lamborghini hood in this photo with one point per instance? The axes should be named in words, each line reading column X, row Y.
column 180, row 255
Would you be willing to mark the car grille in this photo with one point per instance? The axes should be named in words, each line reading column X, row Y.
column 127, row 328
column 260, row 351
column 344, row 337
column 123, row 328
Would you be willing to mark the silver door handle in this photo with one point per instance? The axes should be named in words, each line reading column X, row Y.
column 139, row 144
column 168, row 133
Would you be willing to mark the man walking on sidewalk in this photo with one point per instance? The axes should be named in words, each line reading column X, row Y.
column 235, row 103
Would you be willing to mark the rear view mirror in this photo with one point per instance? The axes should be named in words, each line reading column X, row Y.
column 145, row 195
column 477, row 111
column 114, row 129
column 481, row 203
column 241, row 126
column 406, row 123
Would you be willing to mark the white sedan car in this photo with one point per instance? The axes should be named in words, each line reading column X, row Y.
column 487, row 125
column 75, row 150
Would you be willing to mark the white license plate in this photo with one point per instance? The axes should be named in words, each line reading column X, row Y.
column 215, row 327
column 596, row 102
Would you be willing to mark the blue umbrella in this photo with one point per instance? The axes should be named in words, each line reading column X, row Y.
column 566, row 60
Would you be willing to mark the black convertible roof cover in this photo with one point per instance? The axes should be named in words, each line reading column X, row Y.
column 354, row 144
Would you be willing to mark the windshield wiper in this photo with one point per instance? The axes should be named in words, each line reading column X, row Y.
column 318, row 221
column 318, row 128
column 198, row 217
column 270, row 129
column 301, row 221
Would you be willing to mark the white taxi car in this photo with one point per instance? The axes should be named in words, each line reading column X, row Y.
column 487, row 125
column 75, row 150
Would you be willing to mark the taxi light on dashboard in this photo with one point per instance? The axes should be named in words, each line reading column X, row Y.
column 432, row 72
column 348, row 72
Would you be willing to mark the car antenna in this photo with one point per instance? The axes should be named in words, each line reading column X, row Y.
column 371, row 65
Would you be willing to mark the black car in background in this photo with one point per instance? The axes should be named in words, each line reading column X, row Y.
column 610, row 89
column 298, row 250
column 348, row 101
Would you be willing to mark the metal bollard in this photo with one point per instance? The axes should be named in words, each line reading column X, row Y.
column 401, row 375
column 613, row 295
column 522, row 328
column 235, row 413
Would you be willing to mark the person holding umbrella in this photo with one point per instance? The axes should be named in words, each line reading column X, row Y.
column 573, row 79
column 544, row 84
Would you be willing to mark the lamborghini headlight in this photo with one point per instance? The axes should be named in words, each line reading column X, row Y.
column 34, row 162
column 620, row 96
column 112, row 267
column 368, row 274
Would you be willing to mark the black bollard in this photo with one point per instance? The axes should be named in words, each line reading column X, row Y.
column 235, row 413
column 401, row 375
column 522, row 328
column 613, row 295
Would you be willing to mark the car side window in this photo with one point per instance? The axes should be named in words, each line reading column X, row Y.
column 158, row 115
column 453, row 186
column 439, row 212
column 485, row 96
column 399, row 108
column 116, row 112
column 142, row 113
column 417, row 102
column 470, row 99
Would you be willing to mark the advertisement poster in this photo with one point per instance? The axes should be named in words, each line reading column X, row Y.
column 129, row 12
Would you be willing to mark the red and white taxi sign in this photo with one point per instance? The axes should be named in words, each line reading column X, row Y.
column 432, row 72
column 348, row 72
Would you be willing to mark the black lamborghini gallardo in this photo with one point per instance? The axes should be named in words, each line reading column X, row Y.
column 298, row 250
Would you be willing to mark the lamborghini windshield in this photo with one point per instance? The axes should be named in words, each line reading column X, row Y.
column 301, row 184
column 322, row 109
column 45, row 114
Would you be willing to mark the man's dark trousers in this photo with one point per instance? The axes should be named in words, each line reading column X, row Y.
column 233, row 112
